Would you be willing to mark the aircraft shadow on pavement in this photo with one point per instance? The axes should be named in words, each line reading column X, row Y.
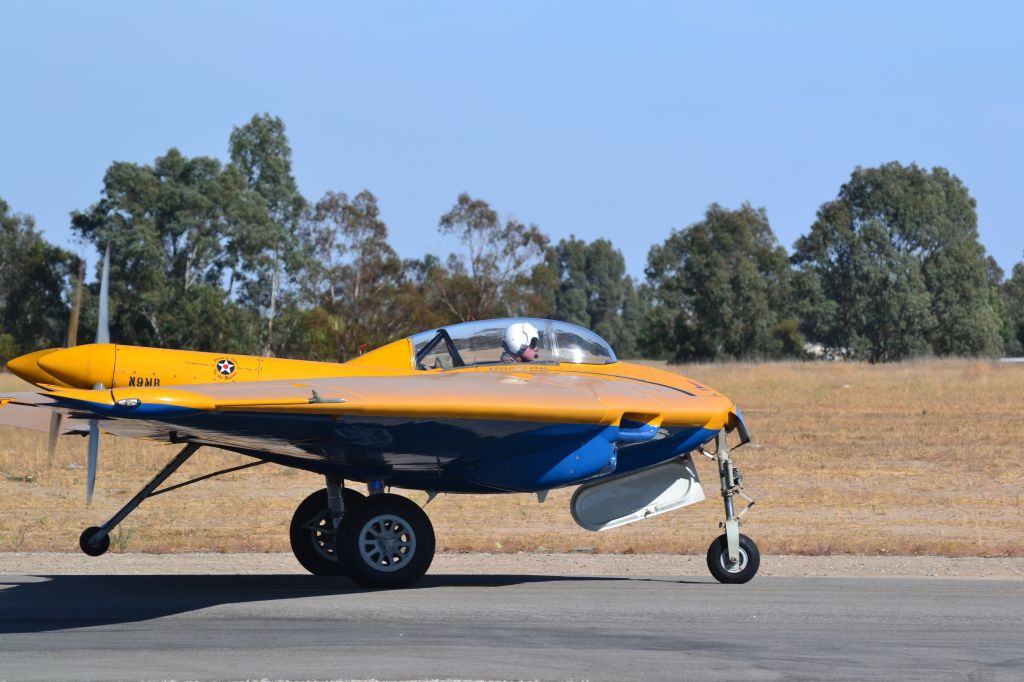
column 46, row 603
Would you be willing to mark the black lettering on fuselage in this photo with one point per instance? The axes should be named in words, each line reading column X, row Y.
column 140, row 381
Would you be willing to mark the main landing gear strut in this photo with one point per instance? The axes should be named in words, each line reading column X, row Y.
column 732, row 557
column 95, row 540
column 382, row 540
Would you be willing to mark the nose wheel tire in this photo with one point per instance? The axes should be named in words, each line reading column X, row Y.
column 93, row 550
column 387, row 542
column 312, row 534
column 726, row 571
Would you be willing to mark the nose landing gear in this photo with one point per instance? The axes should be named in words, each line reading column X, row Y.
column 732, row 557
column 726, row 570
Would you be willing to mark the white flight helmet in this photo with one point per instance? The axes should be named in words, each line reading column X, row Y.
column 519, row 336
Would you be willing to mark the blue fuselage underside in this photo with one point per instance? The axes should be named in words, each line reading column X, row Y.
column 445, row 455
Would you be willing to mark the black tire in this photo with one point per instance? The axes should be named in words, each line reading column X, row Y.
column 404, row 525
column 719, row 565
column 90, row 549
column 312, row 536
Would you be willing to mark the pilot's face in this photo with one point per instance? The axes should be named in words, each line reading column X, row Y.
column 530, row 354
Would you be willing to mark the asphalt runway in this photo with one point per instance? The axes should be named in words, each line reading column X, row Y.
column 100, row 627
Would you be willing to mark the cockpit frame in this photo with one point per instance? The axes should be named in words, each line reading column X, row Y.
column 560, row 343
column 442, row 335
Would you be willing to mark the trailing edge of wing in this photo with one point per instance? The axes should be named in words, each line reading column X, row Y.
column 32, row 411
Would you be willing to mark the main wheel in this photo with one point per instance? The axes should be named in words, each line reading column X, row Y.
column 312, row 535
column 388, row 541
column 726, row 571
column 93, row 550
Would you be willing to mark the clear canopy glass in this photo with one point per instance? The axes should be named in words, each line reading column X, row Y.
column 480, row 343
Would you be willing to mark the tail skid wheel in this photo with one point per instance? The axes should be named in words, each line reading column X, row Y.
column 387, row 542
column 724, row 570
column 312, row 534
column 93, row 549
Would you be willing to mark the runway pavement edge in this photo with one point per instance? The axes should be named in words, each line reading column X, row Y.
column 575, row 564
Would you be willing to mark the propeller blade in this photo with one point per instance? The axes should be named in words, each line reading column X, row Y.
column 55, row 419
column 103, row 323
column 102, row 336
column 94, row 455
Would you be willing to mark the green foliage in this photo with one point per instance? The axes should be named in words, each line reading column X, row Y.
column 315, row 334
column 8, row 347
column 265, row 248
column 34, row 286
column 1012, row 299
column 788, row 339
column 720, row 287
column 231, row 257
column 893, row 268
column 594, row 291
column 492, row 277
column 168, row 225
column 353, row 274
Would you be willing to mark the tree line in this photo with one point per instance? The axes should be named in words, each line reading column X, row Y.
column 231, row 257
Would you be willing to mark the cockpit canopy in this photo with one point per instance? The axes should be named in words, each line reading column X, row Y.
column 481, row 343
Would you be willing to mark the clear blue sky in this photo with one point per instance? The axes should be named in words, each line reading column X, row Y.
column 616, row 120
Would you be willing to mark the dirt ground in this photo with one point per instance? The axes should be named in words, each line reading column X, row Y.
column 913, row 459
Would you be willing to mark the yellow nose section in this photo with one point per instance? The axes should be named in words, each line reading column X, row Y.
column 82, row 366
column 27, row 367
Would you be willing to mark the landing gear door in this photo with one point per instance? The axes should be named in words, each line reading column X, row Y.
column 635, row 496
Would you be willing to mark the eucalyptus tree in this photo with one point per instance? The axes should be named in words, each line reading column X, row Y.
column 266, row 250
column 34, row 285
column 491, row 277
column 893, row 268
column 1012, row 297
column 352, row 275
column 720, row 288
column 594, row 291
column 167, row 224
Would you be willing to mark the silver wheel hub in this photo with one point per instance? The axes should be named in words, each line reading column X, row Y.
column 387, row 542
column 730, row 566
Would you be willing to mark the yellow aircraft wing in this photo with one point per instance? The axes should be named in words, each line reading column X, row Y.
column 554, row 397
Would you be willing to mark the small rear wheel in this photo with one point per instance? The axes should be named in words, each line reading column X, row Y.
column 726, row 571
column 388, row 542
column 312, row 534
column 84, row 542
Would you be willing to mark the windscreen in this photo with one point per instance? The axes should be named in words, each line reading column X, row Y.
column 483, row 343
column 579, row 345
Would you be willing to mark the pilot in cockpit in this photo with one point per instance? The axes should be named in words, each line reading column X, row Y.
column 520, row 341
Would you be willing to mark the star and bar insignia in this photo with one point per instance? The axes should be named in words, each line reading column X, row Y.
column 226, row 367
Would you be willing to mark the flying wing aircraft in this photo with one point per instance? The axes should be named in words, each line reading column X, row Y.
column 493, row 406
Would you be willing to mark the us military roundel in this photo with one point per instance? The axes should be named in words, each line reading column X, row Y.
column 226, row 367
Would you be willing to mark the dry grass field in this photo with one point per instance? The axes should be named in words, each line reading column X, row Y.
column 916, row 458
